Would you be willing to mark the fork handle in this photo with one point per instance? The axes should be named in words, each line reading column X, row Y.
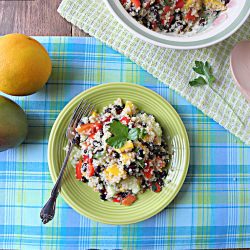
column 48, row 211
column 56, row 189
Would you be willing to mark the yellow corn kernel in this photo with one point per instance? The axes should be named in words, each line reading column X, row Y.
column 113, row 173
column 128, row 146
column 94, row 114
column 129, row 108
column 214, row 5
column 112, row 170
column 197, row 4
column 125, row 158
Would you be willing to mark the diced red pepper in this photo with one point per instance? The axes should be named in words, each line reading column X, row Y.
column 171, row 18
column 179, row 4
column 108, row 119
column 166, row 9
column 127, row 201
column 86, row 129
column 190, row 17
column 156, row 187
column 92, row 136
column 85, row 158
column 98, row 126
column 91, row 169
column 137, row 3
column 78, row 170
column 89, row 128
column 147, row 5
column 154, row 25
column 117, row 200
column 125, row 120
column 86, row 144
column 160, row 163
column 148, row 171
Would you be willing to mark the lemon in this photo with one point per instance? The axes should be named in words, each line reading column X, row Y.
column 25, row 65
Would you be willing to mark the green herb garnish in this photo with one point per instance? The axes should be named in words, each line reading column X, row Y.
column 136, row 133
column 140, row 163
column 121, row 134
column 142, row 133
column 168, row 2
column 154, row 188
column 205, row 70
column 207, row 77
column 98, row 155
column 118, row 129
column 198, row 82
column 133, row 134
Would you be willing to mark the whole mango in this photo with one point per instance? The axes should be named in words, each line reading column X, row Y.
column 13, row 124
column 25, row 65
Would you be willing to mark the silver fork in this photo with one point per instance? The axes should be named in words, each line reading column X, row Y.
column 83, row 109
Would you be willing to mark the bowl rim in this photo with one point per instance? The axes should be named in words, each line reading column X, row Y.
column 54, row 175
column 150, row 36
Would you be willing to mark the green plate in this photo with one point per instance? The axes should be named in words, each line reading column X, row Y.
column 81, row 197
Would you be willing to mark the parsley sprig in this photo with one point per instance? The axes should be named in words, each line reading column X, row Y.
column 204, row 69
column 121, row 133
column 207, row 78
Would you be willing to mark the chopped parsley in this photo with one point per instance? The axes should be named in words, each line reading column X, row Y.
column 121, row 133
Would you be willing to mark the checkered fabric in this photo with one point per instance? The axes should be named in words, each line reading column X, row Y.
column 212, row 209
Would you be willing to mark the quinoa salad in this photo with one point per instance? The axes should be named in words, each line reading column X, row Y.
column 174, row 16
column 121, row 153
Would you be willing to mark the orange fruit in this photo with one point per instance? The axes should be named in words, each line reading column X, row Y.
column 25, row 65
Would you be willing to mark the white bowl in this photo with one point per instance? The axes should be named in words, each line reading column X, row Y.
column 221, row 28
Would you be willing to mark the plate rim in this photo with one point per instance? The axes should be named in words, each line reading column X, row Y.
column 67, row 198
column 242, row 18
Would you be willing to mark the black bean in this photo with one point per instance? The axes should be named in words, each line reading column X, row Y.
column 108, row 110
column 84, row 166
column 131, row 169
column 157, row 174
column 151, row 155
column 96, row 143
column 164, row 174
column 81, row 122
column 164, row 144
column 177, row 16
column 76, row 140
column 150, row 146
column 99, row 150
column 140, row 153
column 160, row 182
column 98, row 169
column 103, row 197
column 116, row 154
column 156, row 149
column 133, row 165
column 123, row 194
column 162, row 153
column 84, row 179
column 202, row 21
column 118, row 109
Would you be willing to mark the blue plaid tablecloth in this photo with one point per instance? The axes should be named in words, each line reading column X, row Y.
column 212, row 209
